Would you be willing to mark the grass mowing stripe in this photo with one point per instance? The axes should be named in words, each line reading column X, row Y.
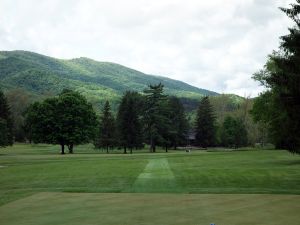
column 157, row 168
column 156, row 177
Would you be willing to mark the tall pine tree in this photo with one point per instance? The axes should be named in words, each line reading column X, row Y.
column 205, row 124
column 129, row 121
column 6, row 122
column 155, row 120
column 178, row 122
column 107, row 129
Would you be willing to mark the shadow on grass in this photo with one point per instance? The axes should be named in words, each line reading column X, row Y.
column 287, row 162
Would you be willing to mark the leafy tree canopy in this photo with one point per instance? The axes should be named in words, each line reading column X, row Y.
column 233, row 132
column 65, row 120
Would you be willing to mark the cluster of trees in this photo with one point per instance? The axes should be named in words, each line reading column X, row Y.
column 278, row 108
column 152, row 118
column 230, row 132
column 156, row 119
column 68, row 119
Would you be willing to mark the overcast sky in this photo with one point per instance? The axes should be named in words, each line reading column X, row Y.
column 211, row 44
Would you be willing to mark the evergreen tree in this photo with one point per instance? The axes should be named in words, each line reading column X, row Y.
column 205, row 124
column 166, row 129
column 18, row 100
column 6, row 122
column 107, row 130
column 129, row 121
column 282, row 77
column 178, row 122
column 66, row 120
column 155, row 120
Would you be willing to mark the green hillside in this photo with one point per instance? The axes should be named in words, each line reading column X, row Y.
column 42, row 75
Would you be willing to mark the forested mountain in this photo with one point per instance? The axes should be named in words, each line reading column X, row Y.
column 98, row 81
column 27, row 77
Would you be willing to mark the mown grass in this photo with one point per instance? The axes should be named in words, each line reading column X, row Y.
column 28, row 169
column 149, row 209
column 238, row 172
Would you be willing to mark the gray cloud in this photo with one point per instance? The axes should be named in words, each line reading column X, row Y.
column 215, row 45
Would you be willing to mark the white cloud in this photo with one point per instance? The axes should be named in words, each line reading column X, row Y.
column 216, row 45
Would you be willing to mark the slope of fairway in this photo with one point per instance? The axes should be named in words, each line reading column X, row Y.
column 146, row 209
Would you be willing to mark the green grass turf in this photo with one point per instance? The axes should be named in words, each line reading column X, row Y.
column 156, row 177
column 28, row 171
column 146, row 209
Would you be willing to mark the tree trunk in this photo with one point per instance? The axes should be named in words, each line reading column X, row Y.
column 125, row 150
column 151, row 144
column 166, row 148
column 70, row 147
column 62, row 149
column 107, row 149
column 130, row 150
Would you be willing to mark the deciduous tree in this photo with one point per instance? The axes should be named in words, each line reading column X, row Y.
column 233, row 132
column 66, row 120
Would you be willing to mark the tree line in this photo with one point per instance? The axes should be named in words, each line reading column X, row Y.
column 151, row 118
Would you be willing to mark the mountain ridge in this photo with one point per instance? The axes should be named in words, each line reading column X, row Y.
column 37, row 74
